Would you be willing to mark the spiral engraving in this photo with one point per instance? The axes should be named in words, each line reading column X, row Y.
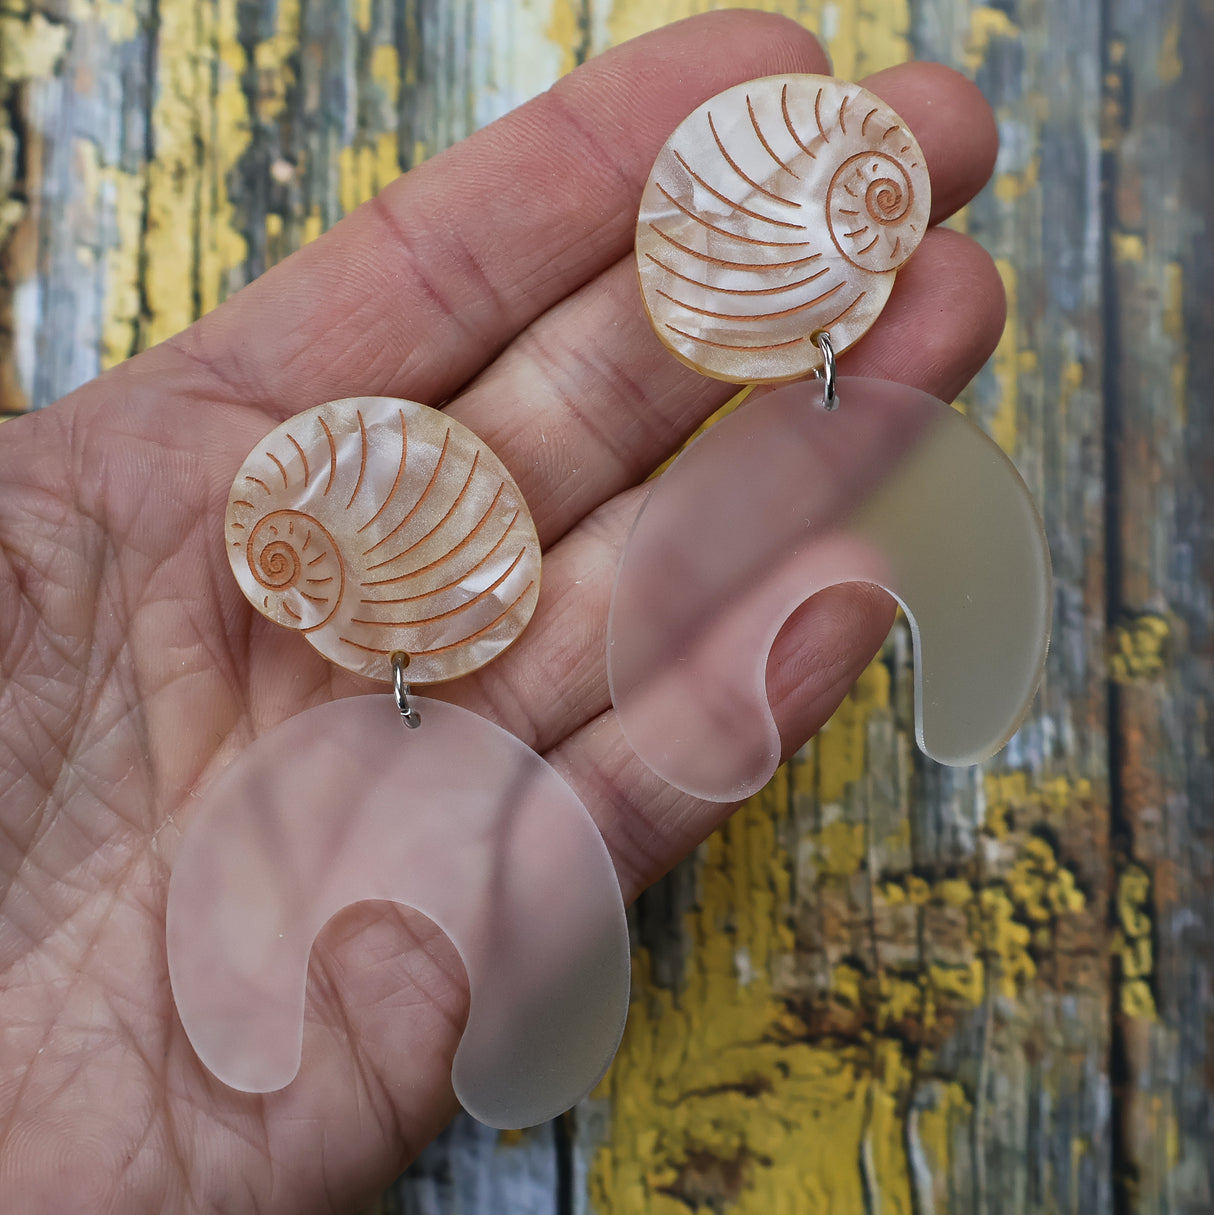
column 295, row 561
column 872, row 236
column 374, row 525
column 780, row 207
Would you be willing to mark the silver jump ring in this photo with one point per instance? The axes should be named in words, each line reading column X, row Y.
column 408, row 714
column 827, row 373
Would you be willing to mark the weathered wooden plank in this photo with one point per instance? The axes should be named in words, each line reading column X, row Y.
column 1160, row 444
column 166, row 152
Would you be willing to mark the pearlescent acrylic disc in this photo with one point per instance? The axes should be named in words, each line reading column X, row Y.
column 780, row 207
column 373, row 525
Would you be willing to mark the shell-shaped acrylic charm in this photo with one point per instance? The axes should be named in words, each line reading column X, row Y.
column 782, row 499
column 781, row 207
column 459, row 820
column 375, row 525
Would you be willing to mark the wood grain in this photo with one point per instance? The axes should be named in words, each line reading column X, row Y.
column 883, row 987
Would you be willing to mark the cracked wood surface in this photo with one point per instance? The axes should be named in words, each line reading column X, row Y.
column 883, row 986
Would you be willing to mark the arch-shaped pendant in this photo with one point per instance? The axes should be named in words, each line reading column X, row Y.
column 782, row 499
column 458, row 819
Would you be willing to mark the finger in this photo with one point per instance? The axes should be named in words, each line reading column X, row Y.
column 943, row 320
column 953, row 123
column 589, row 402
column 589, row 388
column 649, row 825
column 417, row 290
column 554, row 674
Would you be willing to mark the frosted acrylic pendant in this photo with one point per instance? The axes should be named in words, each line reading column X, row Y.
column 459, row 820
column 782, row 499
column 373, row 525
column 780, row 207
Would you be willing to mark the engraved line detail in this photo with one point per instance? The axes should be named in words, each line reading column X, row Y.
column 479, row 597
column 791, row 129
column 450, row 511
column 718, row 261
column 754, row 122
column 362, row 434
column 728, row 346
column 750, row 181
column 766, row 316
column 282, row 471
column 818, row 116
column 489, row 627
column 295, row 443
column 695, row 282
column 400, row 472
column 746, row 240
column 480, row 523
column 438, row 464
column 332, row 454
column 446, row 586
column 737, row 206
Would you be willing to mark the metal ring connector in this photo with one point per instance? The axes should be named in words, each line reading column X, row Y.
column 408, row 714
column 830, row 396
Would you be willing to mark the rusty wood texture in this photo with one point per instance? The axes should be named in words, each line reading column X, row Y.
column 884, row 988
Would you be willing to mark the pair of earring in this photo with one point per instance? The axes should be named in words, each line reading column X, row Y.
column 770, row 233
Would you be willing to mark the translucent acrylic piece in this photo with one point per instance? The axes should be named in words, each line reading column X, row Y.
column 782, row 499
column 458, row 819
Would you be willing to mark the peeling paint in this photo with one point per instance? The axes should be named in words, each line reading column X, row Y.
column 30, row 47
column 1007, row 365
column 1132, row 943
column 1139, row 648
column 986, row 24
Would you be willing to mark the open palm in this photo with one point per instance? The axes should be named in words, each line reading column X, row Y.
column 495, row 279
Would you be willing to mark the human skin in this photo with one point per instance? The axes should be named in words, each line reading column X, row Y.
column 496, row 278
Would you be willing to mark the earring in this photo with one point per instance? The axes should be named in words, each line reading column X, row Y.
column 771, row 230
column 397, row 543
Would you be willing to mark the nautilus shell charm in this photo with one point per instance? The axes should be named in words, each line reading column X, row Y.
column 374, row 525
column 779, row 208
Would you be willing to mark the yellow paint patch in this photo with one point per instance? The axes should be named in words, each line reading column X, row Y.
column 986, row 24
column 859, row 38
column 385, row 70
column 1139, row 649
column 30, row 47
column 120, row 327
column 1012, row 187
column 721, row 1099
column 841, row 848
column 1173, row 327
column 201, row 131
column 1132, row 943
column 313, row 225
column 1006, row 365
column 1128, row 247
column 1169, row 65
column 119, row 18
column 564, row 30
column 840, row 748
column 272, row 58
column 867, row 38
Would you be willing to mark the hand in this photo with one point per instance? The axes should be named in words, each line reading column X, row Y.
column 498, row 279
